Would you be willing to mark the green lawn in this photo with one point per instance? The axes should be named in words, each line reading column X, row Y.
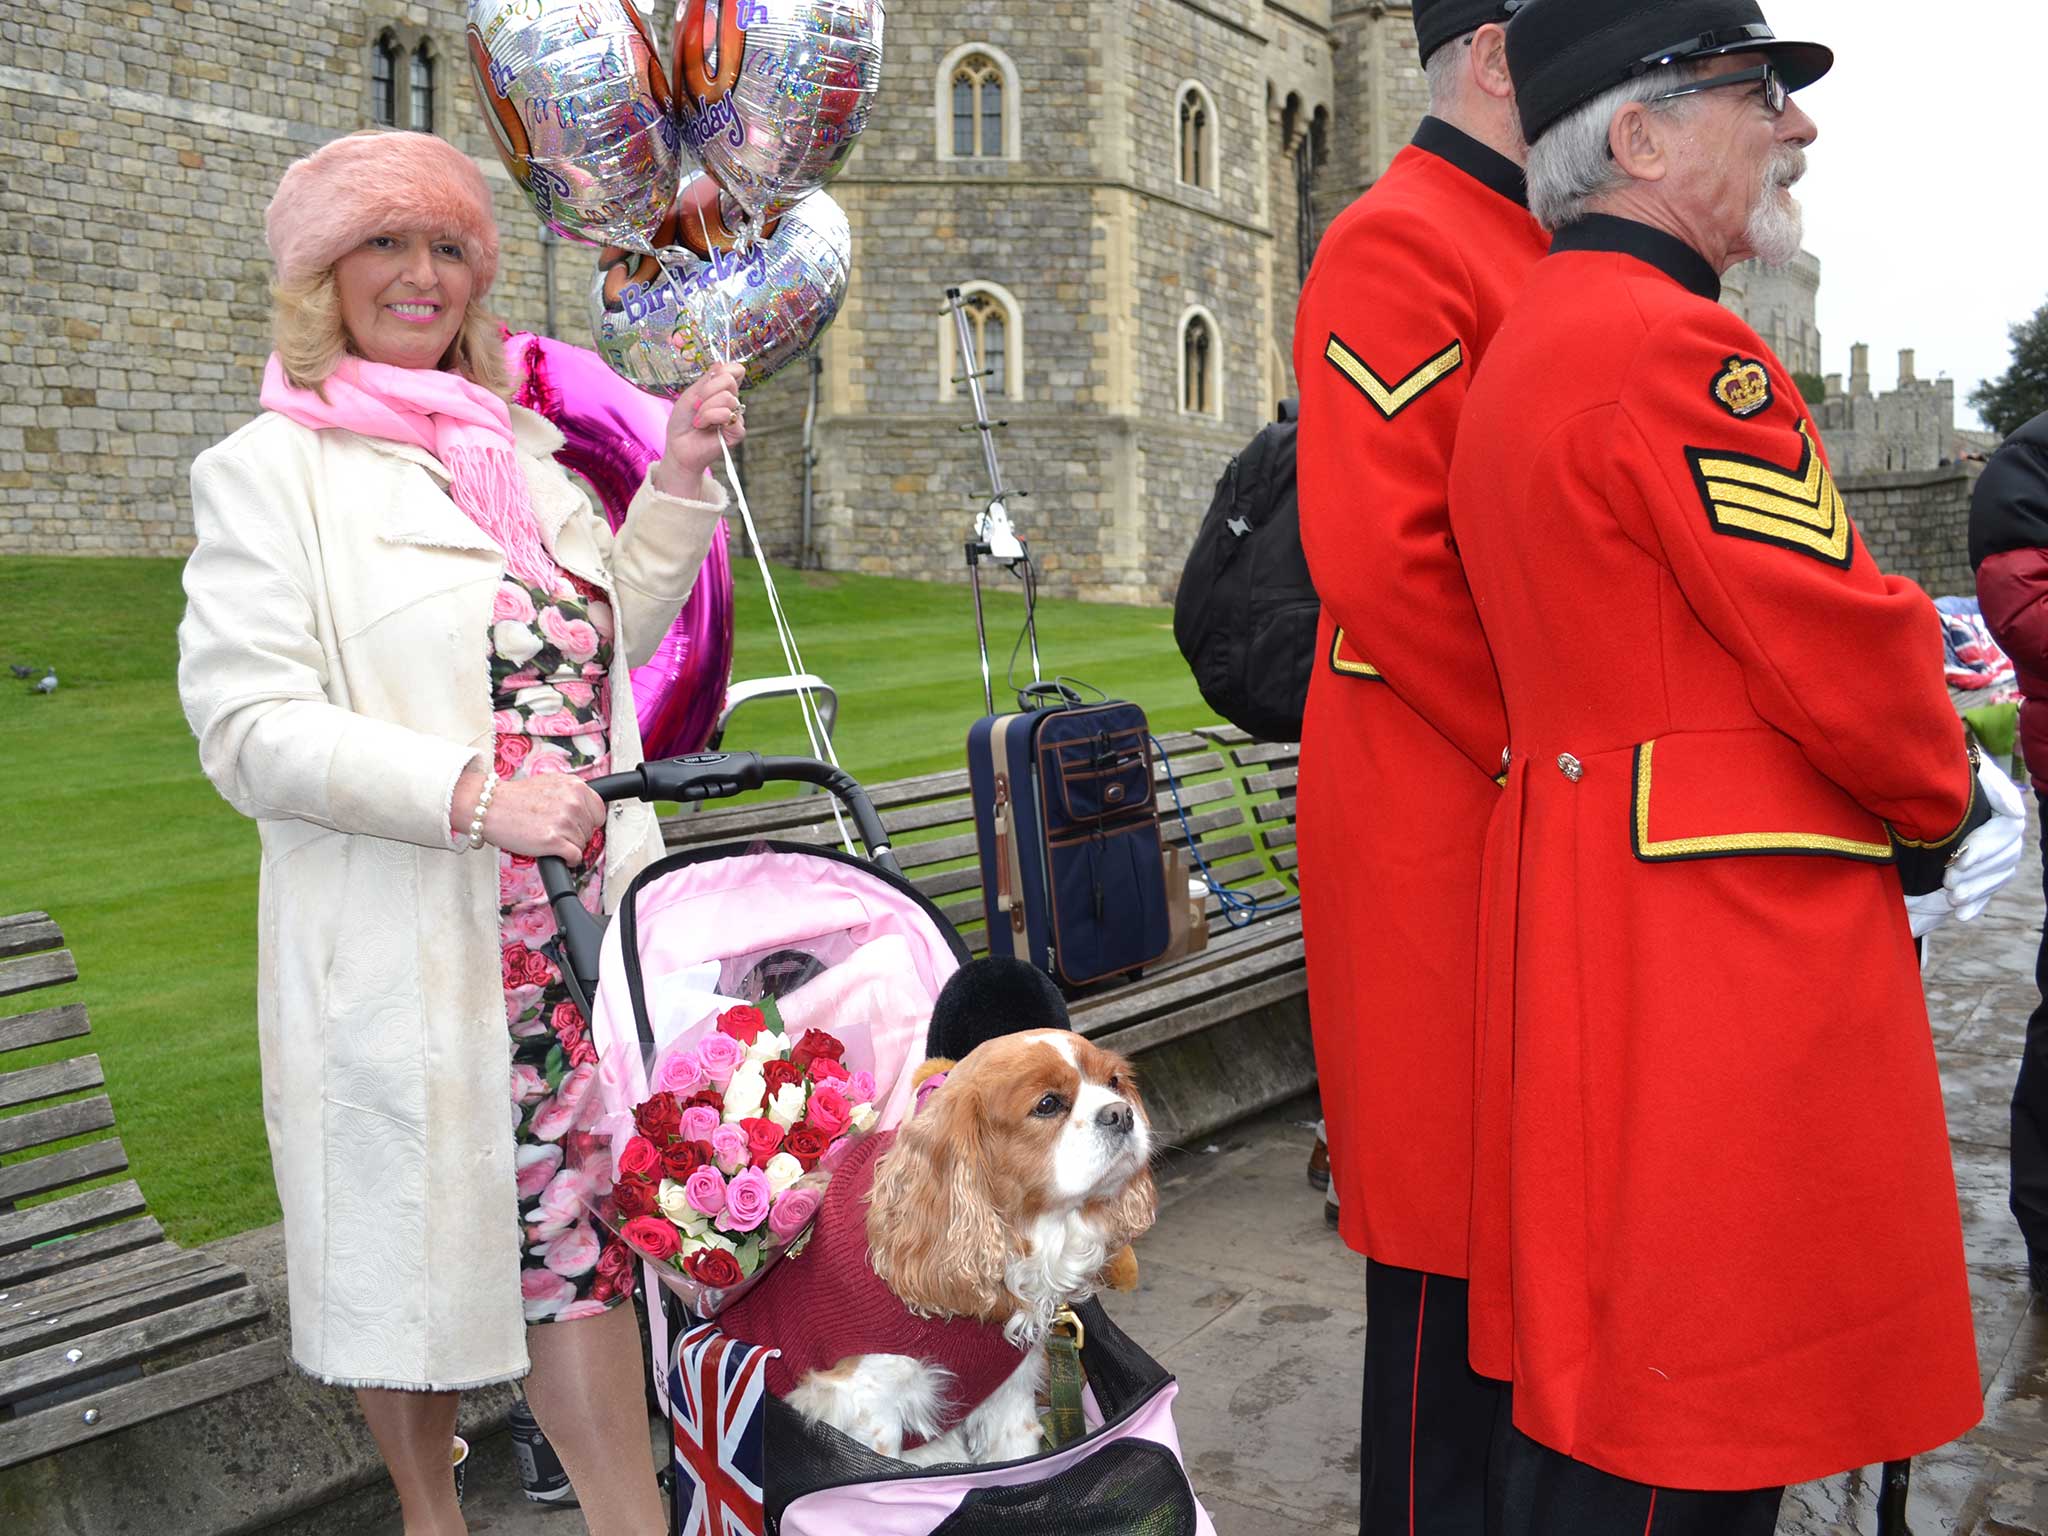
column 107, row 824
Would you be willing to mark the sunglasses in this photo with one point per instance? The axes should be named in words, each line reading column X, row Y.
column 1774, row 93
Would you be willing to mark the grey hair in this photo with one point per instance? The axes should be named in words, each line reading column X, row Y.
column 1569, row 165
column 1443, row 69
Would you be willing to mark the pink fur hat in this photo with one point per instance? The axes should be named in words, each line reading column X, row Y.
column 379, row 182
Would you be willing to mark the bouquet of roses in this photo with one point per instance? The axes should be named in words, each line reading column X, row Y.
column 731, row 1150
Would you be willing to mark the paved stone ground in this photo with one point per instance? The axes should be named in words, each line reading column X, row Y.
column 1251, row 1301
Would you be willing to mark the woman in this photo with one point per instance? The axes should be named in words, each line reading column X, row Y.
column 407, row 643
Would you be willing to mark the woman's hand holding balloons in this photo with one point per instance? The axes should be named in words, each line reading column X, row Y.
column 705, row 414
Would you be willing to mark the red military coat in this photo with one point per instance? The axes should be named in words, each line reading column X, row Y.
column 1403, row 733
column 1735, row 1254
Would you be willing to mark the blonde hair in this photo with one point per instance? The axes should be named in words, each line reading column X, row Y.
column 306, row 328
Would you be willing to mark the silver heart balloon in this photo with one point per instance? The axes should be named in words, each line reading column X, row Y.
column 772, row 93
column 661, row 321
column 577, row 102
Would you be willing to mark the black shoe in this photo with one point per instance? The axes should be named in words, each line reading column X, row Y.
column 1330, row 1211
column 2037, row 1275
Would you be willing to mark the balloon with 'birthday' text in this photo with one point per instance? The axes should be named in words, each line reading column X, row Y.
column 579, row 106
column 661, row 321
column 773, row 93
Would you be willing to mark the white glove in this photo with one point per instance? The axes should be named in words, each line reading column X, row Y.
column 1927, row 913
column 1991, row 855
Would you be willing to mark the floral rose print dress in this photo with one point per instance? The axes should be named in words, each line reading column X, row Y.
column 551, row 654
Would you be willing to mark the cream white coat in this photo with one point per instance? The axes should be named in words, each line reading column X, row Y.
column 333, row 663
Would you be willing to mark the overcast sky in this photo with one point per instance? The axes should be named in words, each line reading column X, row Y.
column 1924, row 195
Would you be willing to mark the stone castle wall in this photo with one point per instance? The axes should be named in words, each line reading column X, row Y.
column 1918, row 524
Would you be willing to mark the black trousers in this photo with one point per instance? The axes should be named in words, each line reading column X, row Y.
column 2030, row 1121
column 1430, row 1421
column 1537, row 1492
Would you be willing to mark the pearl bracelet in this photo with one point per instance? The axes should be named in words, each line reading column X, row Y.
column 483, row 807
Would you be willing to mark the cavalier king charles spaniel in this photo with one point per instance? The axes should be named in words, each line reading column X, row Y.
column 1000, row 1201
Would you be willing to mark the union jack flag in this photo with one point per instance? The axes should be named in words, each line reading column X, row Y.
column 714, row 1393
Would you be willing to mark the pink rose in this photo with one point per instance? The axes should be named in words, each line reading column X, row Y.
column 547, row 760
column 600, row 617
column 578, row 694
column 700, row 1123
column 828, row 1110
column 653, row 1236
column 511, row 602
column 520, row 680
column 679, row 1073
column 546, row 1293
column 506, row 722
column 860, row 1088
column 537, row 1165
column 518, row 884
column 746, row 1201
column 730, row 1150
column 574, row 638
column 574, row 1252
column 793, row 1210
column 554, row 1119
column 591, row 1306
column 560, row 723
column 706, row 1191
column 720, row 1054
column 512, row 751
column 527, row 1084
column 826, row 1070
column 532, row 924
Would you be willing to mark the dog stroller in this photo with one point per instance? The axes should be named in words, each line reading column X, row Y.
column 828, row 938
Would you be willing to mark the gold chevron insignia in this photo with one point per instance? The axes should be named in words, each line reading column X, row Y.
column 1797, row 509
column 1390, row 400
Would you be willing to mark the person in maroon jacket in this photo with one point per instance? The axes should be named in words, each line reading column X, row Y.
column 1401, row 744
column 2009, row 550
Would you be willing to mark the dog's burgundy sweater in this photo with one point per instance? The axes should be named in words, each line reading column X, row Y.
column 826, row 1303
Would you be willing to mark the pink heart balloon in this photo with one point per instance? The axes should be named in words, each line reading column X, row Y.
column 611, row 433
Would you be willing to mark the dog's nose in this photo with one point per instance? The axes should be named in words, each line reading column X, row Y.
column 1115, row 1118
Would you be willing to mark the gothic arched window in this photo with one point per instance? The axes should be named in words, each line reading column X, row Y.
column 977, row 108
column 988, row 324
column 1196, row 164
column 384, row 81
column 423, row 89
column 1198, row 366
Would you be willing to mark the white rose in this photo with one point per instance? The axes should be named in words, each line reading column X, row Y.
column 710, row 1237
column 787, row 1107
column 782, row 1171
column 515, row 641
column 674, row 1204
column 745, row 1093
column 767, row 1046
column 863, row 1118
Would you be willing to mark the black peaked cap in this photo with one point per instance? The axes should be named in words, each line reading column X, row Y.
column 1438, row 21
column 1563, row 53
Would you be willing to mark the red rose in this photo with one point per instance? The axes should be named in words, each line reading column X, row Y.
column 764, row 1140
column 708, row 1096
column 580, row 1051
column 825, row 1070
column 567, row 1019
column 683, row 1158
column 659, row 1119
column 806, row 1143
column 780, row 1074
column 653, row 1236
column 615, row 1268
column 534, row 970
column 512, row 750
column 640, row 1160
column 814, row 1044
column 743, row 1021
column 634, row 1197
column 714, row 1267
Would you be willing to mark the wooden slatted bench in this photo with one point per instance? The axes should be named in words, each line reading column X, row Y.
column 103, row 1322
column 1218, row 1035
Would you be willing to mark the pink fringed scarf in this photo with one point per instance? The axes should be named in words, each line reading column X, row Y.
column 464, row 425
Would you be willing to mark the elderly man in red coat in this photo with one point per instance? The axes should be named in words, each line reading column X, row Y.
column 1734, row 1252
column 1401, row 746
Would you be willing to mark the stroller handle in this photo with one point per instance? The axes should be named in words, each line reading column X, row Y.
column 697, row 776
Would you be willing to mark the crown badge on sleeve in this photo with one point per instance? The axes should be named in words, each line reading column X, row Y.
column 1743, row 386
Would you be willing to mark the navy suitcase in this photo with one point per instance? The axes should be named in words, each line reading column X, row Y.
column 1072, row 875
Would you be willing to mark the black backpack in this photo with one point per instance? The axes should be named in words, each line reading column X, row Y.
column 1245, row 616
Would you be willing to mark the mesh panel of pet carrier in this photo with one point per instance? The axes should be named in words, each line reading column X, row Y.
column 1131, row 1488
column 803, row 1458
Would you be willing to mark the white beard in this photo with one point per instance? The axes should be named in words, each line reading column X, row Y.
column 1777, row 224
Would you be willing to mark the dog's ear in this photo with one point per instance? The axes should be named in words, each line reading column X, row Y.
column 1130, row 1215
column 935, row 1237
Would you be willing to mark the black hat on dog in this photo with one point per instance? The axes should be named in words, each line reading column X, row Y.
column 1563, row 53
column 993, row 996
column 1438, row 21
